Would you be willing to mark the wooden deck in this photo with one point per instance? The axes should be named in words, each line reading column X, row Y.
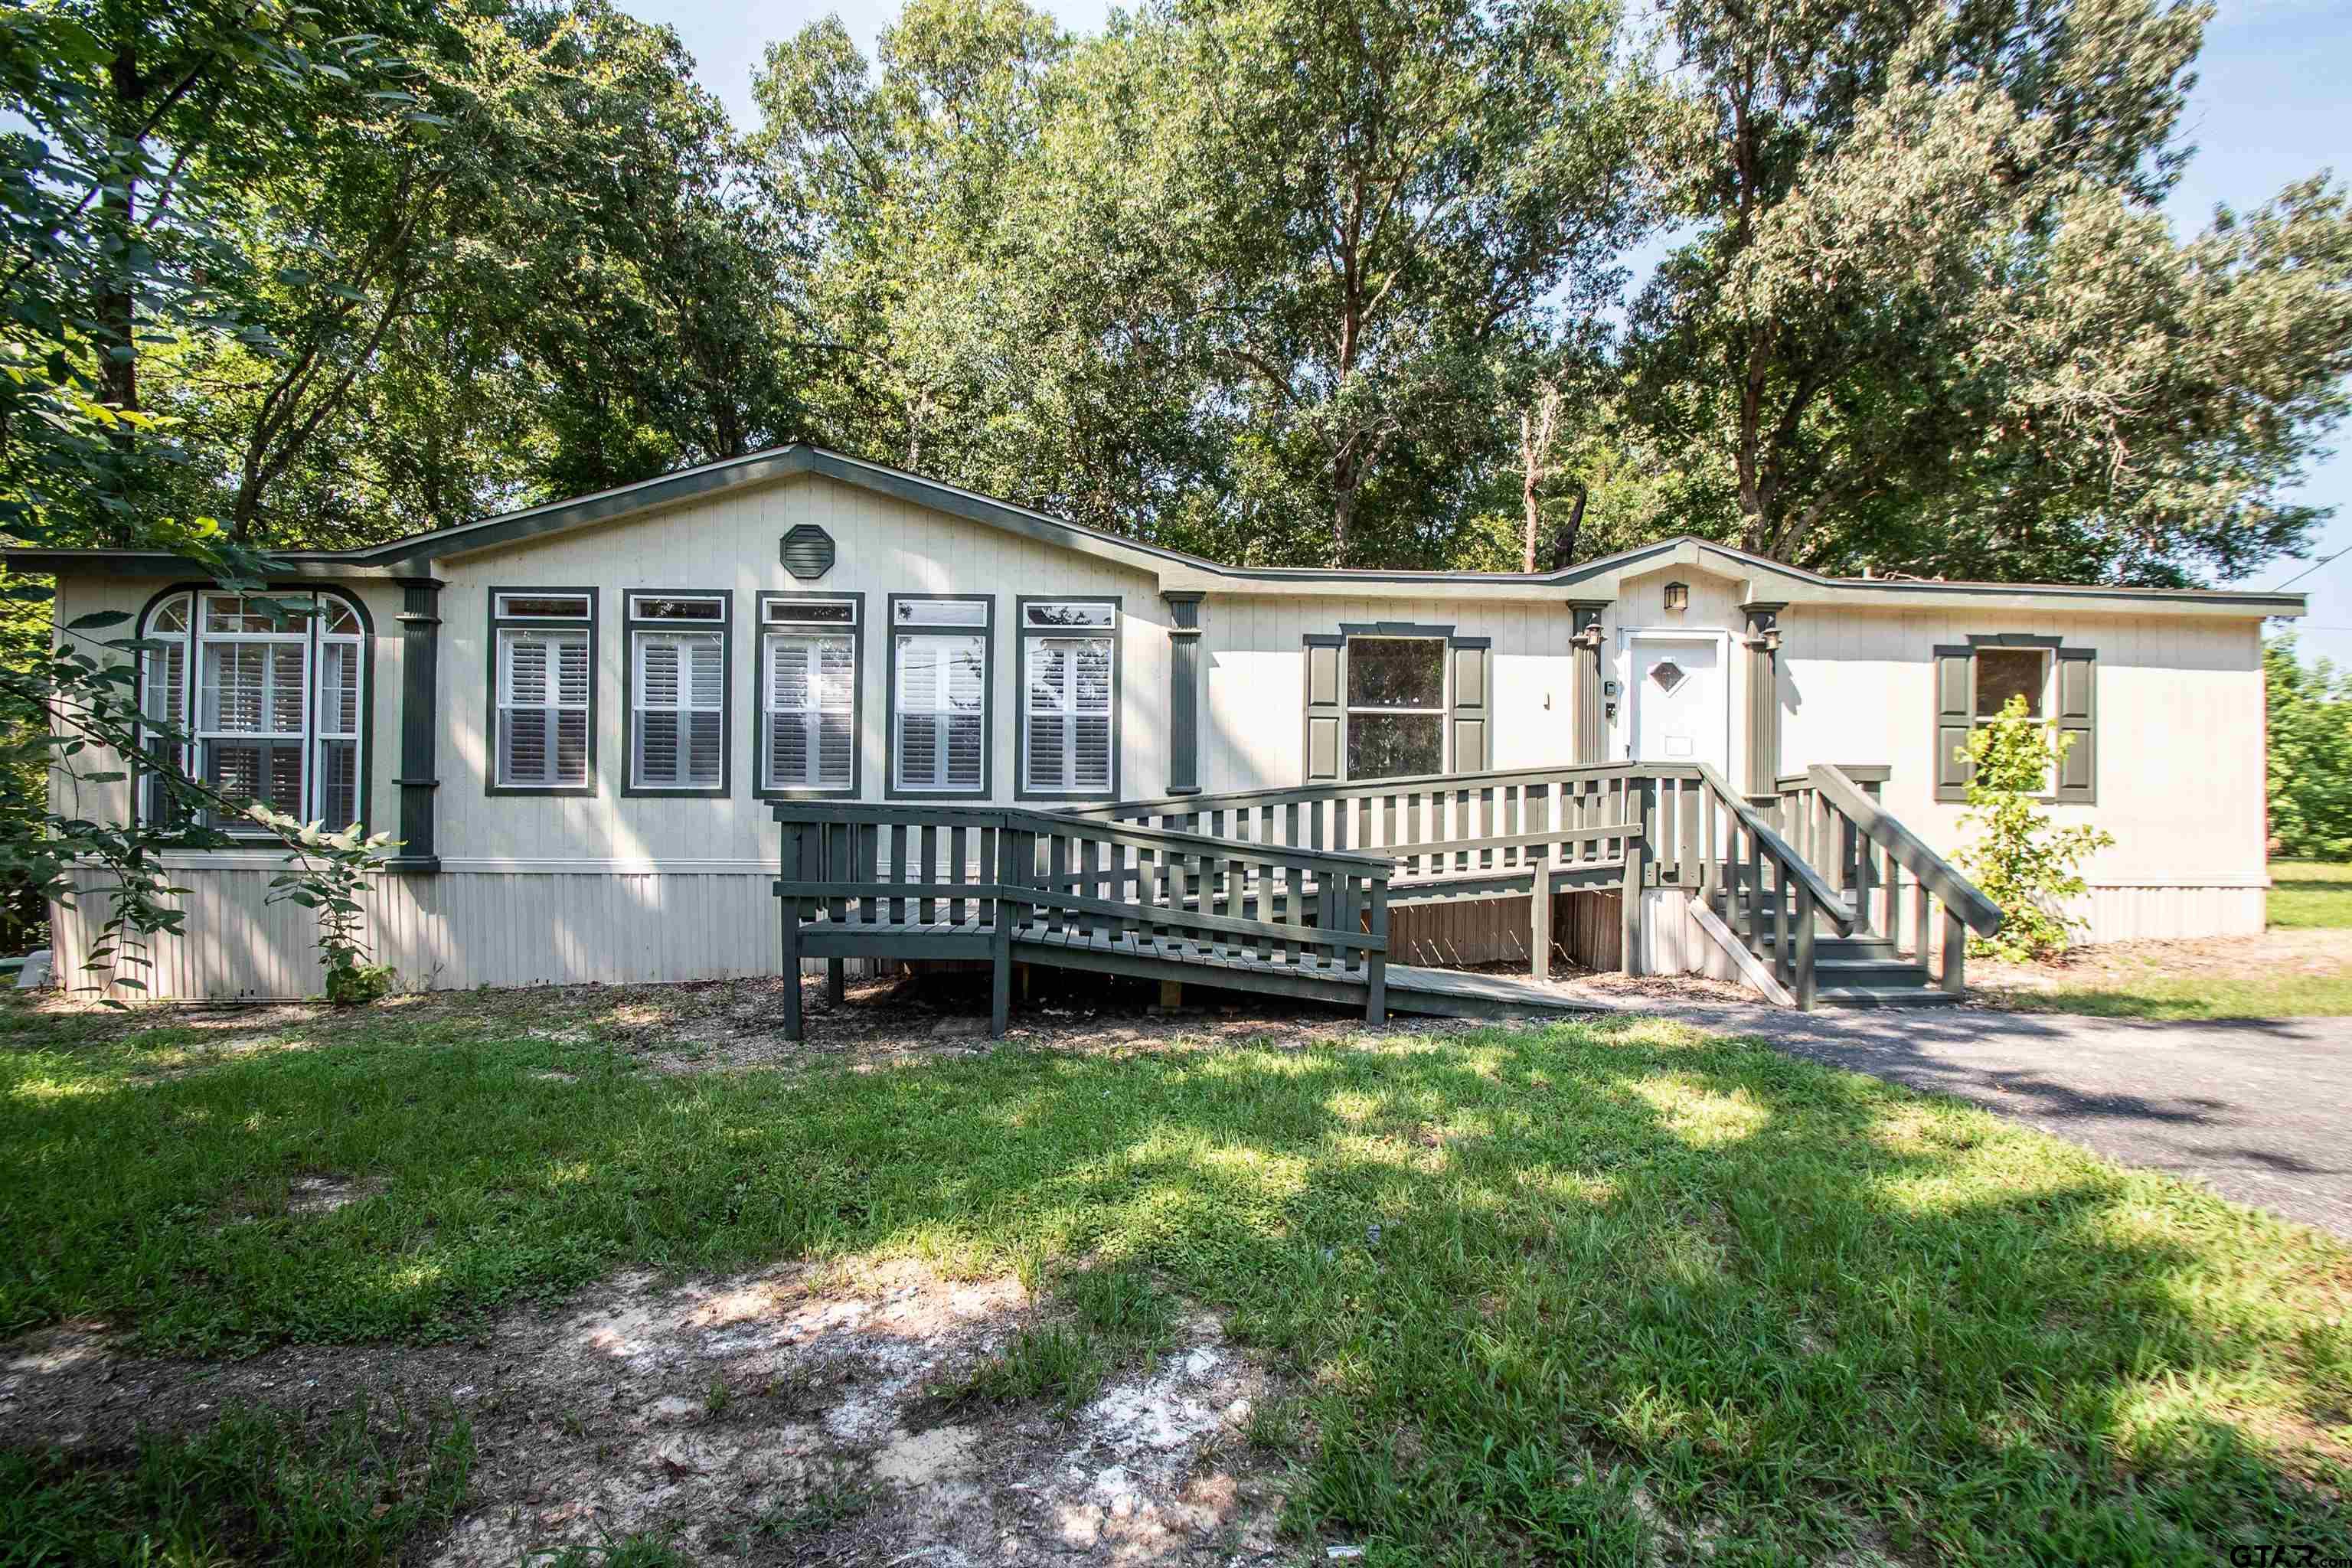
column 1288, row 893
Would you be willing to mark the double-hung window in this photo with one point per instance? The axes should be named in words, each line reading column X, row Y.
column 808, row 693
column 263, row 696
column 939, row 694
column 1069, row 701
column 1396, row 706
column 677, row 693
column 545, row 677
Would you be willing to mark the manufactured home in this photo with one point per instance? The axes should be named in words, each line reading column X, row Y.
column 603, row 729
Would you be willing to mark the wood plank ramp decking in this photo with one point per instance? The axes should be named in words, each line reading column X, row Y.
column 1289, row 892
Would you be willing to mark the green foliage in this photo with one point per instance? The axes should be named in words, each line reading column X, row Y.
column 1622, row 1239
column 2310, row 764
column 256, row 1487
column 2023, row 863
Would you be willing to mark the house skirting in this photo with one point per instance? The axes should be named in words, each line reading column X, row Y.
column 636, row 922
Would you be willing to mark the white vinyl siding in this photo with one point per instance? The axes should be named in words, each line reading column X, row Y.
column 1068, row 735
column 809, row 691
column 678, row 685
column 543, row 696
column 939, row 712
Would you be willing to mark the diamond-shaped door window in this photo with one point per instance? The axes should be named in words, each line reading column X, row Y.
column 1667, row 674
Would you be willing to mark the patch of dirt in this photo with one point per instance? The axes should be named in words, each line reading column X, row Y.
column 325, row 1194
column 786, row 1416
column 731, row 1024
column 2120, row 965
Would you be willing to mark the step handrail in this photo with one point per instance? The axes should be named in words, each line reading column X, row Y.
column 1780, row 849
column 1940, row 876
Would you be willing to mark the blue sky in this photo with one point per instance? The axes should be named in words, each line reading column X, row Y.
column 2274, row 103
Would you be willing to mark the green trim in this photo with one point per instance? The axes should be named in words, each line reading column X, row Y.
column 420, row 724
column 1183, row 692
column 891, row 790
column 1023, row 631
column 631, row 624
column 758, row 641
column 490, row 785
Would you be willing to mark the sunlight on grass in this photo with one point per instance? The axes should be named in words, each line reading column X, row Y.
column 1767, row 1292
column 2310, row 894
column 1700, row 1116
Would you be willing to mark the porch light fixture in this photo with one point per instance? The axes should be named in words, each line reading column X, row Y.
column 1677, row 597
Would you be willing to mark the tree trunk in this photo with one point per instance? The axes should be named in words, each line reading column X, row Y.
column 1528, row 468
column 117, row 218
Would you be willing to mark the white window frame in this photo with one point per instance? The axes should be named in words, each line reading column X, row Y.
column 509, row 629
column 646, row 625
column 786, row 618
column 921, row 618
column 318, row 620
column 1350, row 708
column 1102, row 623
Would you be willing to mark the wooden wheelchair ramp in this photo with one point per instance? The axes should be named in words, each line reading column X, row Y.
column 1288, row 891
column 1009, row 886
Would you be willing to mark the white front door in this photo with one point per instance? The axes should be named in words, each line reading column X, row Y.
column 1679, row 703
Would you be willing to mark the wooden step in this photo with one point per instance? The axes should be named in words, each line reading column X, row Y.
column 1888, row 974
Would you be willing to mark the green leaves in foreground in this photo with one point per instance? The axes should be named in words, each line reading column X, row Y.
column 1624, row 1287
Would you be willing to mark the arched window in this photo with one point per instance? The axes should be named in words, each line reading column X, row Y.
column 276, row 704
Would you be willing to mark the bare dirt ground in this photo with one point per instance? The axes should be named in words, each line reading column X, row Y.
column 786, row 1416
column 2119, row 965
column 720, row 1025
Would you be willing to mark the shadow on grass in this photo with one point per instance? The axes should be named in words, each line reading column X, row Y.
column 1560, row 1293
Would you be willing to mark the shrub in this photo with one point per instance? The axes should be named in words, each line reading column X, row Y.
column 2025, row 865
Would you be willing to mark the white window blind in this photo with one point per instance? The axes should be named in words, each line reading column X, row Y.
column 679, row 690
column 543, row 679
column 939, row 712
column 1069, row 715
column 809, row 693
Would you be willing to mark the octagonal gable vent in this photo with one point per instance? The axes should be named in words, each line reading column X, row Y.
column 807, row 551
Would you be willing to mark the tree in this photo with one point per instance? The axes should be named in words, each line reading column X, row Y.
column 1929, row 315
column 2310, row 762
column 67, row 266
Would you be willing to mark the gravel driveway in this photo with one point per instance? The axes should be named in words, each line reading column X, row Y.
column 2261, row 1110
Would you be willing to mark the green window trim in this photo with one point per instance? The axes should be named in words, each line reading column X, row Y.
column 635, row 625
column 1116, row 634
column 1464, row 706
column 493, row 709
column 986, row 632
column 2073, row 710
column 761, row 633
column 190, row 685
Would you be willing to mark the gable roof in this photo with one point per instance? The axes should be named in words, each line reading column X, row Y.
column 1761, row 579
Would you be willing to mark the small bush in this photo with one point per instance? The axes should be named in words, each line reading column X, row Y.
column 2022, row 863
column 357, row 984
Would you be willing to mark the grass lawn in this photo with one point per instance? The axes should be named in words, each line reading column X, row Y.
column 2308, row 895
column 2298, row 969
column 1548, row 1290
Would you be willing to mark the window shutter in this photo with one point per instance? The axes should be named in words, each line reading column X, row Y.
column 2078, row 775
column 1325, row 716
column 1954, row 705
column 1471, row 713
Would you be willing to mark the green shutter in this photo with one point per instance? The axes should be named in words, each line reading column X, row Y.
column 2078, row 775
column 1471, row 708
column 1954, row 712
column 1326, row 719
